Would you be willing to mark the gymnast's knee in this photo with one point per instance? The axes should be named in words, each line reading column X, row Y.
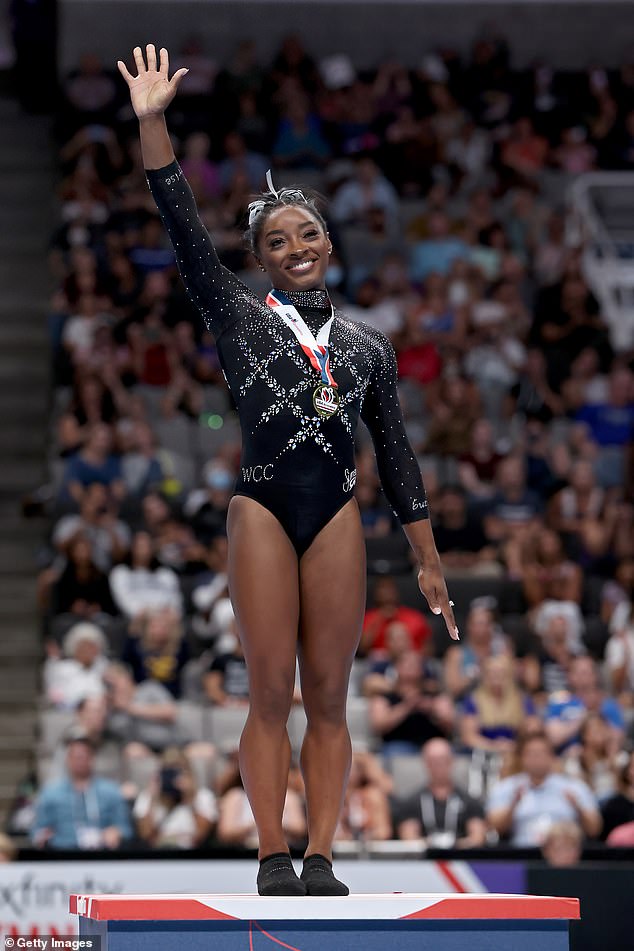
column 325, row 706
column 271, row 699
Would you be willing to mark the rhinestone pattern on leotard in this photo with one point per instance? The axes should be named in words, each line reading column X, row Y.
column 272, row 381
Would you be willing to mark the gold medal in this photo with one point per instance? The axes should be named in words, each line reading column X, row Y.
column 326, row 400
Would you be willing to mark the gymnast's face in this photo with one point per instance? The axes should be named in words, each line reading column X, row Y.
column 294, row 249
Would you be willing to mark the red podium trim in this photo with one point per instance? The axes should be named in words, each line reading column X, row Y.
column 396, row 906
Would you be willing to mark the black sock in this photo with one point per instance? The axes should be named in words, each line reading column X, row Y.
column 318, row 876
column 276, row 876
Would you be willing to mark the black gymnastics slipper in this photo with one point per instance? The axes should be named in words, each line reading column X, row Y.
column 276, row 876
column 318, row 877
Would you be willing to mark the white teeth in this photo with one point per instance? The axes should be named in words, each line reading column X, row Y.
column 302, row 266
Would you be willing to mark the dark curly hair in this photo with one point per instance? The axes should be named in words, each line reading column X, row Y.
column 263, row 207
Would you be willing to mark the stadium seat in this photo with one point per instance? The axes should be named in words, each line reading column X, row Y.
column 225, row 725
column 190, row 722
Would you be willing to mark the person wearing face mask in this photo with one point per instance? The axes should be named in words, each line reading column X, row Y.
column 301, row 375
column 206, row 508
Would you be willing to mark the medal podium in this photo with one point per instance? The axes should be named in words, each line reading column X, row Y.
column 405, row 922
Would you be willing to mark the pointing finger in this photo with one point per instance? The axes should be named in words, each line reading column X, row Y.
column 165, row 61
column 450, row 621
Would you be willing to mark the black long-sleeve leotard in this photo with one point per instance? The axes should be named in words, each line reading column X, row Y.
column 298, row 465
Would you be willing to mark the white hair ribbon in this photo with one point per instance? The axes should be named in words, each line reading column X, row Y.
column 256, row 207
column 269, row 182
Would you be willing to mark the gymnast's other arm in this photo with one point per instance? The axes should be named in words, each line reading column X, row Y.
column 401, row 478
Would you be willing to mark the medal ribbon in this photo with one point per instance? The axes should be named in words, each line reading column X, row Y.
column 316, row 349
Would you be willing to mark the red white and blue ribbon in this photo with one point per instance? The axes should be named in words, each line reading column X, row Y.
column 315, row 348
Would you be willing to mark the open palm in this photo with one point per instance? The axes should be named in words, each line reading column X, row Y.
column 151, row 91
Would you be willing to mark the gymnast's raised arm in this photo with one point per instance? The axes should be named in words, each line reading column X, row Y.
column 214, row 290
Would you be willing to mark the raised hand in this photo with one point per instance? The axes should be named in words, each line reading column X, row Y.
column 151, row 91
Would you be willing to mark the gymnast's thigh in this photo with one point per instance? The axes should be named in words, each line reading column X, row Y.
column 332, row 603
column 264, row 589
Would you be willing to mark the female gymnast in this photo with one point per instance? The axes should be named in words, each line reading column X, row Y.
column 301, row 374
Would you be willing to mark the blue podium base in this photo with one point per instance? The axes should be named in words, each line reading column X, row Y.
column 415, row 935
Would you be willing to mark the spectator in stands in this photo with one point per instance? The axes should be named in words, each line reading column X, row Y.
column 240, row 163
column 97, row 521
column 478, row 465
column 579, row 502
column 90, row 90
column 567, row 710
column 440, row 814
column 78, row 672
column 381, row 674
column 226, row 683
column 80, row 811
column 531, row 397
column 468, row 153
column 494, row 359
column 619, row 651
column 80, row 589
column 300, row 143
column 157, row 650
column 87, row 316
column 143, row 465
column 142, row 717
column 95, row 462
column 385, row 610
column 172, row 812
column 236, row 825
column 366, row 808
column 523, row 807
column 436, row 253
column 368, row 190
column 559, row 626
column 574, row 154
column 525, row 151
column 495, row 713
column 143, row 585
column 175, row 543
column 594, row 758
column 454, row 411
column 94, row 400
column 514, row 507
column 376, row 518
column 206, row 508
column 611, row 425
column 90, row 721
column 460, row 538
column 463, row 662
column 412, row 712
column 201, row 172
column 618, row 810
column 546, row 572
column 563, row 844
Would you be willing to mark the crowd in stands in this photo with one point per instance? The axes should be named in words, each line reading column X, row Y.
column 446, row 182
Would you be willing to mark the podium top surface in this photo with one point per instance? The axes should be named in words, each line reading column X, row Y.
column 399, row 905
